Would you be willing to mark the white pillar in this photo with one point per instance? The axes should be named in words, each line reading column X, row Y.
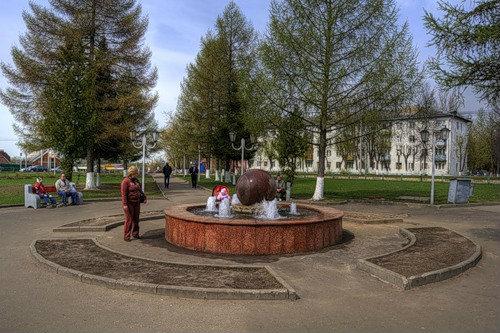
column 89, row 180
column 143, row 159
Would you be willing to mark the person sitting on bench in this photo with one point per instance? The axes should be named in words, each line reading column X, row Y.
column 64, row 189
column 39, row 188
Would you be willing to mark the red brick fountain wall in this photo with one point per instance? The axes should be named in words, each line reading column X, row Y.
column 253, row 236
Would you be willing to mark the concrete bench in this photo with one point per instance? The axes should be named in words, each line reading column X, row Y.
column 32, row 199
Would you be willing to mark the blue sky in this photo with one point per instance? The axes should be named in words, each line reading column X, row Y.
column 175, row 29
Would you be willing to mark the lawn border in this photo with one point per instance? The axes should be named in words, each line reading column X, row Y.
column 285, row 293
column 407, row 283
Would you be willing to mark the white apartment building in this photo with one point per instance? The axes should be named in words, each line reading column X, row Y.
column 409, row 154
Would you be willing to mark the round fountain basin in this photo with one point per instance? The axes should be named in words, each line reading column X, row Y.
column 319, row 228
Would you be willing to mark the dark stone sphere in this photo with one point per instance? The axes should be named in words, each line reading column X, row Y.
column 254, row 186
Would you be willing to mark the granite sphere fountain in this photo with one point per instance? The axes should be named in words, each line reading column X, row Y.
column 254, row 223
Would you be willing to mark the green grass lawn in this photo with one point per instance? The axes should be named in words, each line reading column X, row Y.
column 12, row 185
column 377, row 189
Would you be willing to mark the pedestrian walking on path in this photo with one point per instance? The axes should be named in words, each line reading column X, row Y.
column 167, row 171
column 193, row 171
column 132, row 197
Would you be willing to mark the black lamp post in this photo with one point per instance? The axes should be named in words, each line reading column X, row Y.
column 243, row 147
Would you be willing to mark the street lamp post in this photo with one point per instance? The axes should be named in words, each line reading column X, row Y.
column 199, row 162
column 442, row 135
column 141, row 142
column 242, row 146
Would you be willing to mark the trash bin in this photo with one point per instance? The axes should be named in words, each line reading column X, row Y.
column 460, row 190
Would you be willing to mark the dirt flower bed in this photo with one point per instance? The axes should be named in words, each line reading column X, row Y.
column 435, row 248
column 85, row 256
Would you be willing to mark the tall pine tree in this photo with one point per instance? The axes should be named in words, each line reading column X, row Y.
column 217, row 94
column 118, row 73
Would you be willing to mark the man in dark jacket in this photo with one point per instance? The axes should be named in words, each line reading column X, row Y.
column 167, row 171
column 193, row 171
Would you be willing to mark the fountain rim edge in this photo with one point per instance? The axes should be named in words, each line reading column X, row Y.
column 181, row 212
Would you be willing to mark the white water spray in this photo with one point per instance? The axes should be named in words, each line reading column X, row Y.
column 293, row 209
column 235, row 200
column 211, row 207
column 268, row 210
column 224, row 209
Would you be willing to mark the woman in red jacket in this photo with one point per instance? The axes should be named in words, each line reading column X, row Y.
column 132, row 196
column 39, row 188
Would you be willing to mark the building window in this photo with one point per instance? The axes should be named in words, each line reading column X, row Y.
column 440, row 151
column 328, row 153
column 412, row 124
column 398, row 166
column 309, row 163
column 411, row 166
column 440, row 165
column 265, row 163
column 412, row 138
column 328, row 165
column 350, row 164
column 272, row 164
column 339, row 165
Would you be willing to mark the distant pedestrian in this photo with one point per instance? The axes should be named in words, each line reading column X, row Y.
column 167, row 171
column 193, row 171
column 132, row 197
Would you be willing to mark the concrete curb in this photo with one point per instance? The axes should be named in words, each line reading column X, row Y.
column 372, row 221
column 472, row 204
column 102, row 228
column 171, row 290
column 407, row 283
column 162, row 190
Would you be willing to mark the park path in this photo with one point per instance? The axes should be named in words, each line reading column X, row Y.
column 180, row 191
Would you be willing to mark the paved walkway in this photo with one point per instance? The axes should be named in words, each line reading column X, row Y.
column 335, row 295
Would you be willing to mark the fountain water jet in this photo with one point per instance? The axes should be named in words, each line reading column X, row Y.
column 268, row 210
column 224, row 209
column 235, row 200
column 211, row 207
column 293, row 209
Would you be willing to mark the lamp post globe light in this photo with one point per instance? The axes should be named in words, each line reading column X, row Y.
column 441, row 136
column 141, row 141
column 243, row 147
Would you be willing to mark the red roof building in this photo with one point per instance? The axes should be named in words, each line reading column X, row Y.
column 4, row 157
